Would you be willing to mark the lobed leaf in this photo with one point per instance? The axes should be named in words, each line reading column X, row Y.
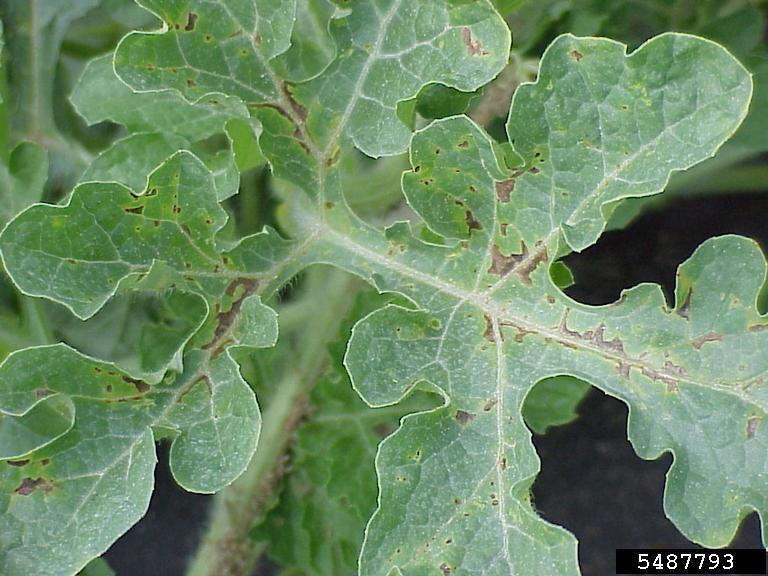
column 69, row 499
column 491, row 322
column 486, row 321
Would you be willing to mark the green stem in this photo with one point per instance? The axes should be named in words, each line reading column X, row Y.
column 36, row 321
column 227, row 549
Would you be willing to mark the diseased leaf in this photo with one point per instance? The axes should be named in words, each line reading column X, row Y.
column 481, row 319
column 387, row 59
column 66, row 502
column 100, row 95
column 386, row 52
column 108, row 239
column 330, row 492
column 491, row 322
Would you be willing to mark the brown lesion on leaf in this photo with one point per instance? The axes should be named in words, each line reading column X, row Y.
column 469, row 217
column 29, row 485
column 704, row 338
column 192, row 385
column 474, row 47
column 489, row 334
column 595, row 337
column 757, row 327
column 505, row 188
column 490, row 404
column 17, row 463
column 445, row 568
column 682, row 311
column 43, row 392
column 463, row 417
column 472, row 222
column 673, row 368
column 656, row 375
column 520, row 332
column 502, row 264
column 752, row 423
column 530, row 262
column 225, row 319
column 136, row 210
column 598, row 337
column 297, row 108
column 191, row 21
column 141, row 386
column 576, row 55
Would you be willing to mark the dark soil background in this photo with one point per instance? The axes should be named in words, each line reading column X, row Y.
column 591, row 481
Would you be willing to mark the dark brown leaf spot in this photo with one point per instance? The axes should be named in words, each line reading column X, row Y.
column 43, row 392
column 502, row 264
column 490, row 404
column 29, row 485
column 704, row 338
column 191, row 21
column 614, row 345
column 463, row 417
column 445, row 569
column 475, row 49
column 529, row 263
column 503, row 463
column 670, row 382
column 18, row 463
column 576, row 55
column 504, row 189
column 297, row 108
column 140, row 385
column 472, row 222
column 137, row 210
column 673, row 368
column 683, row 310
column 752, row 423
column 488, row 334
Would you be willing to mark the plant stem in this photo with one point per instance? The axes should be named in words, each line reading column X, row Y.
column 227, row 549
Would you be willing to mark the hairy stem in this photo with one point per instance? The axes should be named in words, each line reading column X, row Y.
column 227, row 549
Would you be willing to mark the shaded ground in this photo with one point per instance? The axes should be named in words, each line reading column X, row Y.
column 591, row 482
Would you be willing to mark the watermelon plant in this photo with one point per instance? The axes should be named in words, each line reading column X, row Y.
column 300, row 247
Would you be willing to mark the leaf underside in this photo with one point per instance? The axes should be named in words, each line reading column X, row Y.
column 484, row 323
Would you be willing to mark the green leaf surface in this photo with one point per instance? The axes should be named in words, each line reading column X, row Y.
column 68, row 500
column 174, row 372
column 491, row 323
column 100, row 95
column 318, row 526
column 386, row 51
column 486, row 318
column 553, row 402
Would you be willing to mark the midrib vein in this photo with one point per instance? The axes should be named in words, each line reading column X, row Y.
column 500, row 314
column 383, row 29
